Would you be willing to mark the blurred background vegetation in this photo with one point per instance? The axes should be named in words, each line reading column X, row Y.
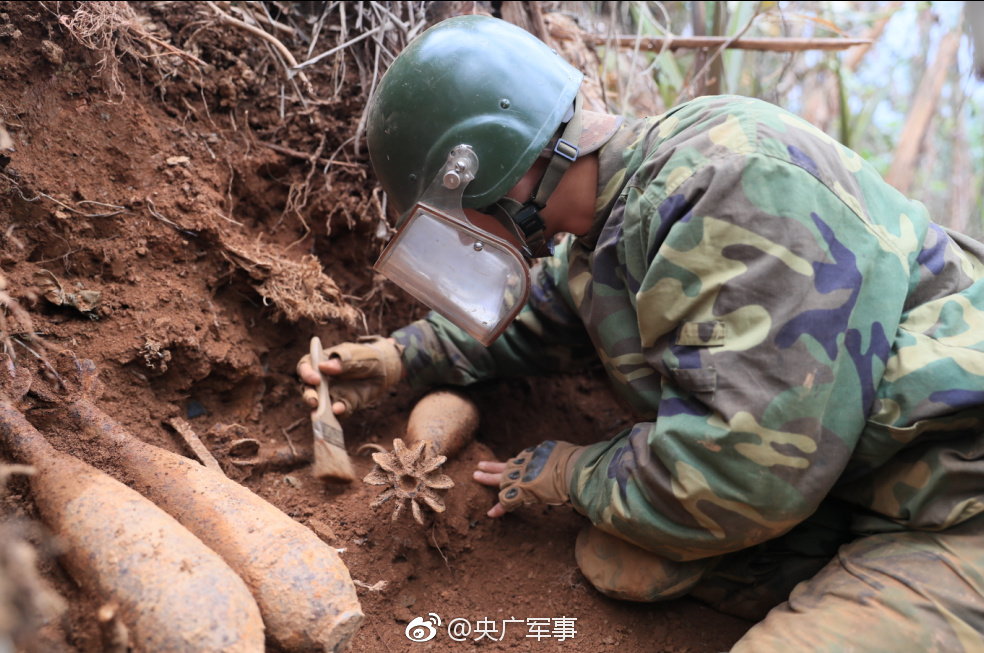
column 910, row 101
column 895, row 81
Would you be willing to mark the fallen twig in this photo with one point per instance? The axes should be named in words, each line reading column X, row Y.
column 194, row 443
column 171, row 223
column 51, row 370
column 294, row 425
column 290, row 444
column 378, row 586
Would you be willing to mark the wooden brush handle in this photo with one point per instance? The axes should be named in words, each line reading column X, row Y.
column 324, row 400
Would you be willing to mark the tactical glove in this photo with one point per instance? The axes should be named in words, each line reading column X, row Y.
column 369, row 369
column 539, row 474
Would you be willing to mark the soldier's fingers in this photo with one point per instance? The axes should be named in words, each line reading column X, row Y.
column 307, row 374
column 338, row 408
column 485, row 478
column 310, row 397
column 496, row 511
column 331, row 367
column 492, row 466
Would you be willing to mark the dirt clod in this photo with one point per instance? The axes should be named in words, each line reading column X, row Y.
column 52, row 53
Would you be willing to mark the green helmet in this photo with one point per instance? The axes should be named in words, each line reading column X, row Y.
column 471, row 80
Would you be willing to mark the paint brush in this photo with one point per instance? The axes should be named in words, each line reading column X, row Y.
column 331, row 461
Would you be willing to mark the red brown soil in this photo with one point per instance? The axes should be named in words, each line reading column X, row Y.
column 180, row 326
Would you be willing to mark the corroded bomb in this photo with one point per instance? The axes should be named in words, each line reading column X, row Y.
column 446, row 420
column 304, row 590
column 173, row 592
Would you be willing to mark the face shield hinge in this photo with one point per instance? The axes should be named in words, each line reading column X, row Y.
column 460, row 168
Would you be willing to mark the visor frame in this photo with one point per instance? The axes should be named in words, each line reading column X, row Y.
column 462, row 225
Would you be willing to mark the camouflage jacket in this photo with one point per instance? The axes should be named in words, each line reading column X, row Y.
column 787, row 325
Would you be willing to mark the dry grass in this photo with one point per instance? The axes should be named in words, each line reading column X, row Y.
column 297, row 289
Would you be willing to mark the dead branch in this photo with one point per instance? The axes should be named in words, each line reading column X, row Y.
column 776, row 44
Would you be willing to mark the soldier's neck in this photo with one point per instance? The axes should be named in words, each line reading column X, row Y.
column 571, row 208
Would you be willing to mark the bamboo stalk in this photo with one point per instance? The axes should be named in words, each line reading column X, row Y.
column 777, row 44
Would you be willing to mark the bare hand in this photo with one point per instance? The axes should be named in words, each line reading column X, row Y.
column 331, row 367
column 489, row 473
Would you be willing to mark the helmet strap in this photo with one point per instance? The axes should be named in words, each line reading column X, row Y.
column 504, row 211
column 525, row 219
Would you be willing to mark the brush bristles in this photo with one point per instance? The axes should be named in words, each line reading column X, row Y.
column 331, row 461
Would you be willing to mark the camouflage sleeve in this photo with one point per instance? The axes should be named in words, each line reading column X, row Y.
column 766, row 302
column 547, row 336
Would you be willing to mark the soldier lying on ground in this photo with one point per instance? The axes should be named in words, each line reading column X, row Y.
column 802, row 345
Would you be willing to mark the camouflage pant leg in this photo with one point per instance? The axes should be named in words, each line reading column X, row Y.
column 744, row 584
column 749, row 583
column 892, row 592
column 622, row 570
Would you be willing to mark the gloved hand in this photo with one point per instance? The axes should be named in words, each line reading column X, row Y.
column 539, row 474
column 361, row 373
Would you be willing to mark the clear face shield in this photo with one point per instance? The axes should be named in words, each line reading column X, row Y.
column 476, row 280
